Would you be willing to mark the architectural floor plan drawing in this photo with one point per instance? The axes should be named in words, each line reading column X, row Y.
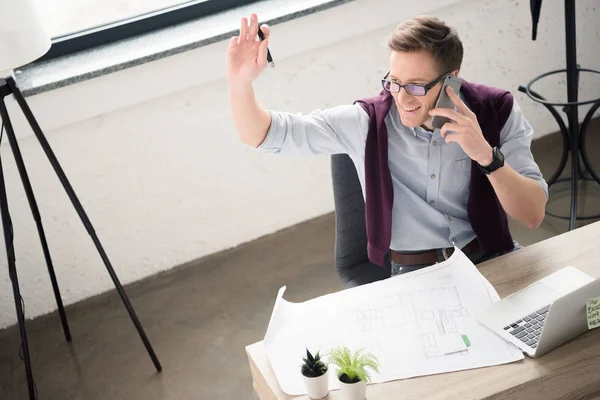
column 440, row 319
column 406, row 321
column 433, row 313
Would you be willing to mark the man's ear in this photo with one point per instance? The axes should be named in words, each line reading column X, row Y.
column 454, row 73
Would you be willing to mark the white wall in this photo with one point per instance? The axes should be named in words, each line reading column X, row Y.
column 154, row 157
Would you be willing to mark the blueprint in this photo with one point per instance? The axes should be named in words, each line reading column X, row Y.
column 407, row 321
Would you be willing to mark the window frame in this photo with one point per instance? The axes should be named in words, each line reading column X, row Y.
column 108, row 33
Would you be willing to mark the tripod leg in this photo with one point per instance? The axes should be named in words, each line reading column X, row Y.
column 82, row 215
column 12, row 271
column 36, row 216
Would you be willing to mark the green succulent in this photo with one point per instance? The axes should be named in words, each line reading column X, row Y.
column 353, row 367
column 313, row 366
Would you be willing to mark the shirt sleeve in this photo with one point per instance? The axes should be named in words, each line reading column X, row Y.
column 515, row 144
column 341, row 129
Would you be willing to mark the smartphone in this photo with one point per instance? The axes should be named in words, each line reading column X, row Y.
column 444, row 101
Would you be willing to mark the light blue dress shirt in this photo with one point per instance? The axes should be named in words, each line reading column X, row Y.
column 430, row 177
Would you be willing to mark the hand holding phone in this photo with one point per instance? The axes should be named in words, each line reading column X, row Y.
column 444, row 101
column 452, row 115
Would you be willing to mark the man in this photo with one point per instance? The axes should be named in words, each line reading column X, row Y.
column 427, row 190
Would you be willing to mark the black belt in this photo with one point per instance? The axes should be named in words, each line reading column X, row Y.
column 430, row 256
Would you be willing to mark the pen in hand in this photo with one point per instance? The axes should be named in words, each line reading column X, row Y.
column 261, row 35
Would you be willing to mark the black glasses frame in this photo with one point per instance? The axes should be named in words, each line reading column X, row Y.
column 426, row 87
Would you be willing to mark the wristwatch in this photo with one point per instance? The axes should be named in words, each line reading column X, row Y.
column 497, row 163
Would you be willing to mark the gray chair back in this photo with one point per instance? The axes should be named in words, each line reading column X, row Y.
column 351, row 260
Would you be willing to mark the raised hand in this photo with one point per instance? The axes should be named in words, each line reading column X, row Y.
column 247, row 55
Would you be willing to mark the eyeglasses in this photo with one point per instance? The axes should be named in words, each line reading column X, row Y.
column 412, row 88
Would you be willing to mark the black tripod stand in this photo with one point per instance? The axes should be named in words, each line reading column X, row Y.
column 8, row 86
column 574, row 137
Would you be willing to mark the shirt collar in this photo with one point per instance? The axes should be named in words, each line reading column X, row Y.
column 420, row 129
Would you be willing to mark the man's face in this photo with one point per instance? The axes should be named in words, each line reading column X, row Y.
column 419, row 68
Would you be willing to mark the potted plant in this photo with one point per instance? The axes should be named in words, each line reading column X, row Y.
column 353, row 374
column 314, row 372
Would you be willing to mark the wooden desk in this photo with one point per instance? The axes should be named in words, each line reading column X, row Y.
column 571, row 371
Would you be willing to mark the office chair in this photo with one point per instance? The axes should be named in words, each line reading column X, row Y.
column 351, row 260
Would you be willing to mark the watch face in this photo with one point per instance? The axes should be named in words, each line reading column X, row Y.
column 499, row 155
column 497, row 162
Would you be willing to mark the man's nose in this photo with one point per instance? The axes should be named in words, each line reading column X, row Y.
column 403, row 96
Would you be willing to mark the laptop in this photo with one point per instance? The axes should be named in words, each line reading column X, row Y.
column 544, row 315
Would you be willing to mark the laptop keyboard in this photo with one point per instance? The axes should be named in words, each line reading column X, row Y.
column 529, row 328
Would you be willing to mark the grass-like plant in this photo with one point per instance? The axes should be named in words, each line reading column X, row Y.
column 353, row 367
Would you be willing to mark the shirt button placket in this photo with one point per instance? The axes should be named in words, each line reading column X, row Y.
column 434, row 166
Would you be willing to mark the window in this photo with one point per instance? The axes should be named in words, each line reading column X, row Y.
column 76, row 25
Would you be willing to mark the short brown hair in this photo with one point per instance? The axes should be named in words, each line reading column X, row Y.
column 430, row 34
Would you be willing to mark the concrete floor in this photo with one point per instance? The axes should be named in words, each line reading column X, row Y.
column 199, row 317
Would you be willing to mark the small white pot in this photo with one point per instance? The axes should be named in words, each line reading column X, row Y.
column 318, row 387
column 353, row 391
